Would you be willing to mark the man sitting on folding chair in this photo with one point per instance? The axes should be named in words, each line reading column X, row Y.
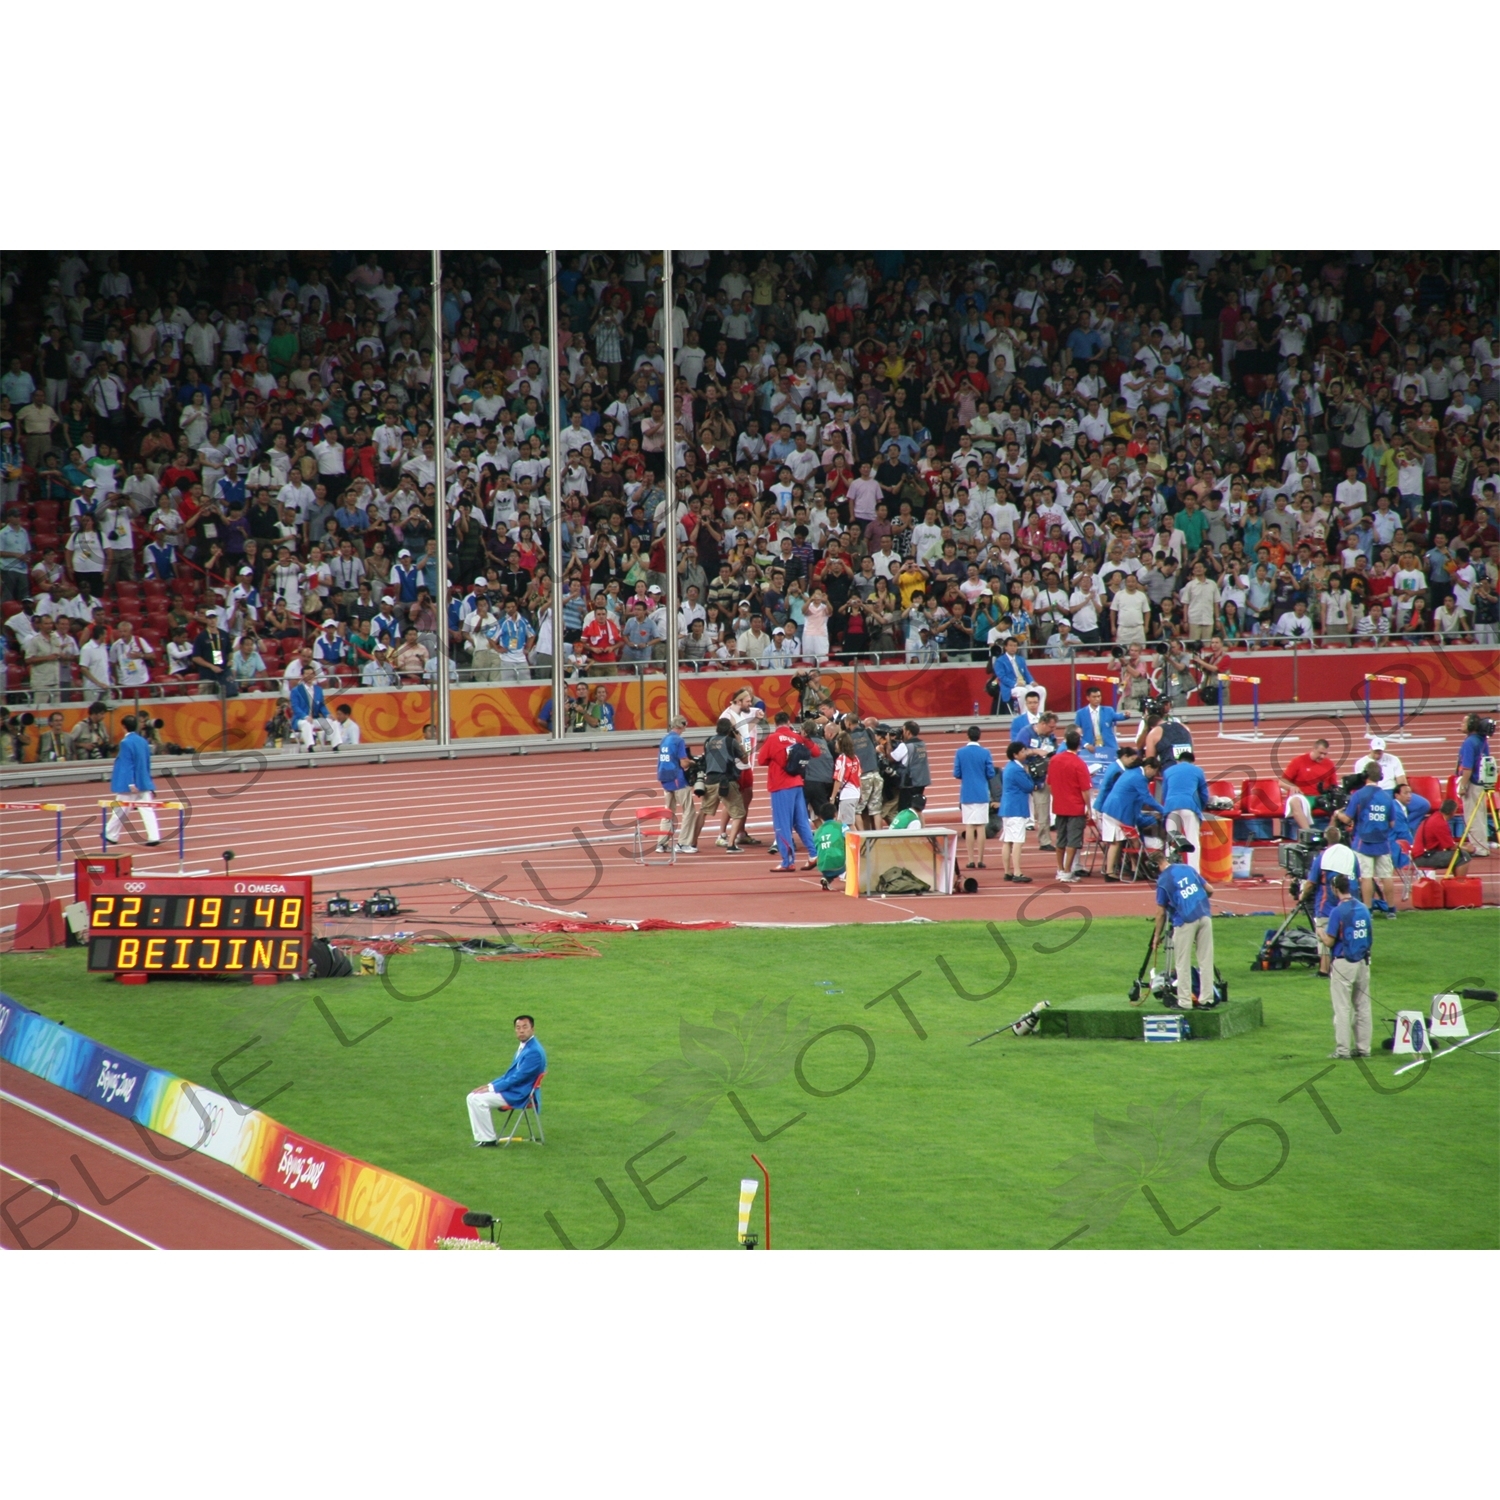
column 516, row 1090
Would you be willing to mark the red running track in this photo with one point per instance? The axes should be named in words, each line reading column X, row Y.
column 75, row 1176
column 550, row 829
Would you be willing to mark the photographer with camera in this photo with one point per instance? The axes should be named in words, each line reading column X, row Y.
column 722, row 757
column 1371, row 814
column 89, row 737
column 1315, row 890
column 1476, row 776
column 1349, row 936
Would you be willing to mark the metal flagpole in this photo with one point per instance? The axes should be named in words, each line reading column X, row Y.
column 440, row 520
column 554, row 507
column 669, row 469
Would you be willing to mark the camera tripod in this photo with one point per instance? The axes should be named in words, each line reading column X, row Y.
column 1485, row 806
column 1302, row 905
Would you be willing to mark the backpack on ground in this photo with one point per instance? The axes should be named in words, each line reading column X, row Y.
column 899, row 881
column 327, row 962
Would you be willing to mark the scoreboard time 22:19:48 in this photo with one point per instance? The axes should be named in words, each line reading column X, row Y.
column 163, row 926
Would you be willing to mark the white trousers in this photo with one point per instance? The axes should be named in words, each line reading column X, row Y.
column 148, row 822
column 481, row 1113
column 305, row 728
column 1185, row 822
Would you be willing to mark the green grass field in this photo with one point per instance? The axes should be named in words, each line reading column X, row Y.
column 674, row 1053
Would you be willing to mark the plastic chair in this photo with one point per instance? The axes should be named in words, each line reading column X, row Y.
column 1429, row 787
column 529, row 1113
column 638, row 850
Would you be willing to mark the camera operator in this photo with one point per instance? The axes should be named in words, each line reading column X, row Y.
column 1334, row 858
column 1040, row 735
column 722, row 755
column 1182, row 894
column 817, row 778
column 1349, row 937
column 1476, row 775
column 1371, row 814
column 89, row 737
column 910, row 753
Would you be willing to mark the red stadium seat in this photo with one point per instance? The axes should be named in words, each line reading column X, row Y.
column 1262, row 798
column 1429, row 787
column 1224, row 789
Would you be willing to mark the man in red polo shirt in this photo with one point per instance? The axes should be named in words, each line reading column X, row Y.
column 1068, row 781
column 1311, row 775
column 601, row 639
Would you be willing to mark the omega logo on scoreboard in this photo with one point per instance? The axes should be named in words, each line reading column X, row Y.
column 200, row 926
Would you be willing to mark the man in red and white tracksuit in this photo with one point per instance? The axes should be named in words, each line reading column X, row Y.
column 788, row 799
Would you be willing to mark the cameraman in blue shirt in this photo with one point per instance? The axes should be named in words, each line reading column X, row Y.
column 1371, row 813
column 1333, row 859
column 1472, row 755
column 1182, row 895
column 1350, row 936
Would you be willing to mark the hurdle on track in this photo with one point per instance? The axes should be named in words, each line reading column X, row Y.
column 1400, row 734
column 57, row 808
column 108, row 804
column 1225, row 679
column 1114, row 688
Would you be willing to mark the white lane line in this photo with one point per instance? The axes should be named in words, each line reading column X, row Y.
column 161, row 1171
column 83, row 1208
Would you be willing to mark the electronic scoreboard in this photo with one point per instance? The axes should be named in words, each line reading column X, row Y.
column 258, row 926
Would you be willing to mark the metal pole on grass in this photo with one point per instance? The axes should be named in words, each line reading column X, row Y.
column 440, row 711
column 669, row 470
column 554, row 507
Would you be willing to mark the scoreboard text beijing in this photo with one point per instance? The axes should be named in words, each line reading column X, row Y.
column 162, row 925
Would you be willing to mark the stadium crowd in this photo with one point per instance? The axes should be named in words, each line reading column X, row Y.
column 219, row 470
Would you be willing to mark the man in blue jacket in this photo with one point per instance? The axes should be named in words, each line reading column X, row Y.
column 513, row 1089
column 1130, row 797
column 972, row 769
column 1013, row 676
column 1184, row 794
column 1111, row 834
column 1016, row 787
column 1182, row 895
column 1096, row 723
column 310, row 711
column 131, row 777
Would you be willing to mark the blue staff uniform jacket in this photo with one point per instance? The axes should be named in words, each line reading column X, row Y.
column 1128, row 796
column 1009, row 670
column 1184, row 788
column 973, row 768
column 132, row 767
column 1016, row 788
column 514, row 1085
column 304, row 703
column 1098, row 725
